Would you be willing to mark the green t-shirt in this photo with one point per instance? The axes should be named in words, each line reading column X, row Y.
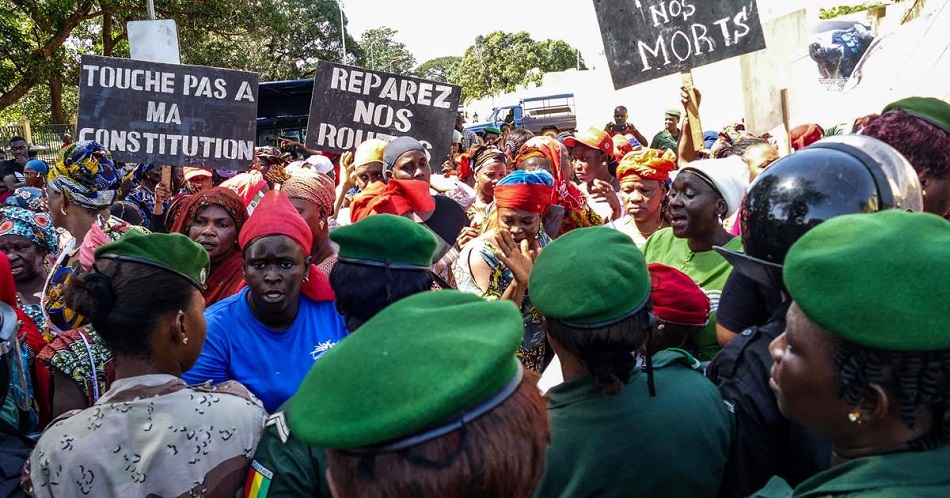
column 631, row 444
column 284, row 466
column 910, row 473
column 708, row 269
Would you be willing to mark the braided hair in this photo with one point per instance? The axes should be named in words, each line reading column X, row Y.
column 917, row 378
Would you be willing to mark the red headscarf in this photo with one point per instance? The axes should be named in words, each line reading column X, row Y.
column 804, row 135
column 275, row 215
column 397, row 197
column 227, row 277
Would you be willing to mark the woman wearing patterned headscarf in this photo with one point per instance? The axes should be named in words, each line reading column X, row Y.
column 80, row 187
column 644, row 175
column 213, row 218
column 31, row 198
column 313, row 195
column 548, row 154
column 489, row 166
column 28, row 239
column 496, row 265
column 147, row 178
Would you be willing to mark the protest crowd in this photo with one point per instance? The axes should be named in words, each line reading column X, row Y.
column 590, row 312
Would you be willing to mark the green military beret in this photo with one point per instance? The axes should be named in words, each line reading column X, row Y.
column 673, row 112
column 493, row 129
column 417, row 370
column 934, row 111
column 878, row 280
column 172, row 252
column 590, row 276
column 386, row 238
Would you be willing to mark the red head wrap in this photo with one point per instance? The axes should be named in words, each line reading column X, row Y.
column 397, row 197
column 676, row 298
column 275, row 215
column 535, row 198
column 804, row 135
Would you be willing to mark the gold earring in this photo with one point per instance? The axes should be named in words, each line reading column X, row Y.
column 61, row 210
column 661, row 326
column 184, row 339
column 322, row 225
column 855, row 416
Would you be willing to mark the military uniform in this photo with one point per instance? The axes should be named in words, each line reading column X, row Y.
column 285, row 466
column 631, row 444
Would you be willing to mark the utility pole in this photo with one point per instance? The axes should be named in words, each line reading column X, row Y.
column 342, row 36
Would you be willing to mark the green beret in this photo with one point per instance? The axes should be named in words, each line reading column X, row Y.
column 376, row 240
column 934, row 111
column 878, row 280
column 604, row 264
column 673, row 112
column 493, row 129
column 412, row 373
column 172, row 252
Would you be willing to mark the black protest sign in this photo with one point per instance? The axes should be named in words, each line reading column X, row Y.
column 647, row 39
column 169, row 114
column 351, row 105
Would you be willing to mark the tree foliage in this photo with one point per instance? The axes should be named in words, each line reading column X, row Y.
column 43, row 41
column 381, row 52
column 443, row 69
column 500, row 61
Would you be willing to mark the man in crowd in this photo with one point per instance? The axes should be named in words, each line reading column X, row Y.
column 670, row 136
column 13, row 168
column 469, row 138
column 620, row 126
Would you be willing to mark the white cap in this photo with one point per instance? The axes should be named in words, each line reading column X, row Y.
column 321, row 164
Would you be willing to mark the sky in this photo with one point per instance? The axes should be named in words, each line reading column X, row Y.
column 436, row 28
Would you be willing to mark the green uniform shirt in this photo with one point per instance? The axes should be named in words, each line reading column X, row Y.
column 674, row 444
column 708, row 269
column 665, row 140
column 919, row 474
column 284, row 466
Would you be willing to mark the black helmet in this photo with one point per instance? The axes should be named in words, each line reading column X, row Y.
column 835, row 176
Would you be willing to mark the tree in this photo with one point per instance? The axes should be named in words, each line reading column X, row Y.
column 499, row 61
column 43, row 41
column 382, row 52
column 443, row 69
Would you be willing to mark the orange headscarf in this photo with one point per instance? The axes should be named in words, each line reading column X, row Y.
column 647, row 164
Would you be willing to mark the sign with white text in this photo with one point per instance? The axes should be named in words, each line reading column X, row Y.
column 647, row 39
column 168, row 114
column 351, row 105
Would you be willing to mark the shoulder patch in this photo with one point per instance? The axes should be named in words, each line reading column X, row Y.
column 279, row 422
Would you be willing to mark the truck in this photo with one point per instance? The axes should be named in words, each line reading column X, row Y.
column 536, row 114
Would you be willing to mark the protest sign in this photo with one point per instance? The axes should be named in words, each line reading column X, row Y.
column 147, row 112
column 351, row 105
column 647, row 39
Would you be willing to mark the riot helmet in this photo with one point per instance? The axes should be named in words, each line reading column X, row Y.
column 835, row 176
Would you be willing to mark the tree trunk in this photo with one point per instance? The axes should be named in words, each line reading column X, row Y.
column 57, row 116
column 107, row 41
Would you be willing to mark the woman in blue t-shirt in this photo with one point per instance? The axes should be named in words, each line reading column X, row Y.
column 268, row 335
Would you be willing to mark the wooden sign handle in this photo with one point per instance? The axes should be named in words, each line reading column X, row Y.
column 167, row 180
column 785, row 122
column 692, row 111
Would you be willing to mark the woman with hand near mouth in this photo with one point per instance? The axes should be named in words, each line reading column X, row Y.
column 702, row 195
column 268, row 335
column 643, row 176
column 213, row 218
column 498, row 263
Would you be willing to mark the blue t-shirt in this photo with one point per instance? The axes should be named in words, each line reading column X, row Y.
column 270, row 364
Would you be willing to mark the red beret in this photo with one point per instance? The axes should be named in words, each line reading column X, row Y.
column 676, row 298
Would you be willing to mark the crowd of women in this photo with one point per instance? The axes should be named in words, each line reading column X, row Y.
column 571, row 315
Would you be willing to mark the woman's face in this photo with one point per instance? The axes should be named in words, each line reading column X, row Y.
column 489, row 176
column 201, row 183
column 804, row 378
column 412, row 165
column 589, row 163
column 523, row 225
column 195, row 328
column 694, row 207
column 26, row 258
column 153, row 176
column 33, row 178
column 642, row 198
column 369, row 174
column 315, row 217
column 274, row 268
column 215, row 230
column 758, row 158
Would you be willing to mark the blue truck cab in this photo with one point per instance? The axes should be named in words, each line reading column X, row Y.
column 536, row 114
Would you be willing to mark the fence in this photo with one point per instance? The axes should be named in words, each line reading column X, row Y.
column 45, row 141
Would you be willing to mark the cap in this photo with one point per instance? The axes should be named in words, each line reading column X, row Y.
column 370, row 393
column 676, row 298
column 593, row 138
column 673, row 112
column 172, row 252
column 370, row 151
